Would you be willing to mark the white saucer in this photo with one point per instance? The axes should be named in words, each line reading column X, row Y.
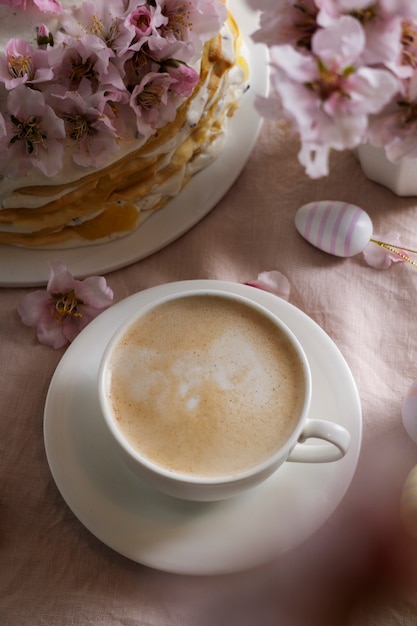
column 189, row 537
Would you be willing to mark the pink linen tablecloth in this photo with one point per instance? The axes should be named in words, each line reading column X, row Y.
column 359, row 568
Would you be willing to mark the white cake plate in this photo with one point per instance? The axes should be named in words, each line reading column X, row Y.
column 22, row 267
column 190, row 537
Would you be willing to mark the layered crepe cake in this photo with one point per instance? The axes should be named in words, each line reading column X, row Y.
column 107, row 109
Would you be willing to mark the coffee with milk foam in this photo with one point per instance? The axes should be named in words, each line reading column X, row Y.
column 205, row 386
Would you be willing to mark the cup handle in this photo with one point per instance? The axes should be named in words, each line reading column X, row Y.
column 338, row 439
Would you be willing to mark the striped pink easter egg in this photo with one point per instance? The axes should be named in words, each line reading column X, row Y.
column 339, row 228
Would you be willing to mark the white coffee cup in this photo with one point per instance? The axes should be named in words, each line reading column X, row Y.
column 207, row 393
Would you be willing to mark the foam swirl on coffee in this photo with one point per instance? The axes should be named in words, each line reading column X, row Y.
column 204, row 385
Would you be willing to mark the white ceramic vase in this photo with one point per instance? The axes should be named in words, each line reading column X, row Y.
column 400, row 177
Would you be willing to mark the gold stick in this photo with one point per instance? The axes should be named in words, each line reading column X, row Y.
column 396, row 250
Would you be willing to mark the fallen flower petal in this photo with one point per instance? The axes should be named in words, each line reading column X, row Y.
column 273, row 282
column 66, row 306
column 380, row 255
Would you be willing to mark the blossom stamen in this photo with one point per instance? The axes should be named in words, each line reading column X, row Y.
column 150, row 97
column 409, row 43
column 82, row 70
column 306, row 23
column 66, row 305
column 29, row 132
column 96, row 27
column 408, row 112
column 364, row 15
column 111, row 36
column 328, row 81
column 135, row 65
column 20, row 66
column 77, row 127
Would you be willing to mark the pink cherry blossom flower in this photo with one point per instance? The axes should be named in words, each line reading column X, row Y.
column 189, row 24
column 24, row 64
column 381, row 21
column 273, row 282
column 153, row 102
column 137, row 64
column 193, row 18
column 66, row 307
column 88, row 58
column 141, row 20
column 89, row 129
column 34, row 135
column 104, row 19
column 382, row 256
column 328, row 93
column 395, row 127
column 162, row 48
column 295, row 24
column 144, row 22
column 186, row 78
column 405, row 63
